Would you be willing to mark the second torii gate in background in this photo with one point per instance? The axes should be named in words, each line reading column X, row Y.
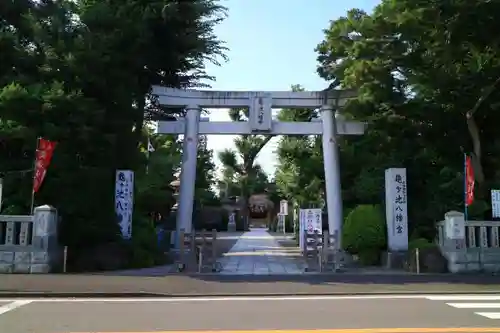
column 260, row 121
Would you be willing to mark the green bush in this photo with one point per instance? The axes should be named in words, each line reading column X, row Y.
column 364, row 233
column 210, row 217
column 430, row 258
column 420, row 243
column 478, row 210
column 273, row 224
column 289, row 223
column 144, row 248
column 369, row 257
column 224, row 218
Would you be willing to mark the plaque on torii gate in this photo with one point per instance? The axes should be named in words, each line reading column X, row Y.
column 260, row 121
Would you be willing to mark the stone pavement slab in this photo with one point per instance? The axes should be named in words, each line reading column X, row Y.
column 259, row 253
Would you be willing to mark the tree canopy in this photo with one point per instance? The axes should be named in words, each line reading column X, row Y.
column 79, row 73
column 427, row 76
column 240, row 174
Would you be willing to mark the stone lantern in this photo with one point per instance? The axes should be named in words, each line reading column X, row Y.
column 175, row 185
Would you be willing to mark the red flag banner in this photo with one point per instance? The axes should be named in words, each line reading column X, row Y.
column 469, row 181
column 44, row 154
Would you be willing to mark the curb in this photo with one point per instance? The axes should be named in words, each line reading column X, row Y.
column 4, row 295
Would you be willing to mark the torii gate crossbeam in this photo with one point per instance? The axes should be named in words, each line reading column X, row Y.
column 260, row 122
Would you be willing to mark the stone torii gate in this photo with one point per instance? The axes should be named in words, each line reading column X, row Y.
column 260, row 122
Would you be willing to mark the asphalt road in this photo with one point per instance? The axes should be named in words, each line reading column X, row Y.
column 332, row 314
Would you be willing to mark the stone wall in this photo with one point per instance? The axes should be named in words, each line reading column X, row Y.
column 28, row 243
column 469, row 245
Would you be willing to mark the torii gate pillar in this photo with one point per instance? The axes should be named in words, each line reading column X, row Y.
column 332, row 172
column 188, row 172
column 260, row 122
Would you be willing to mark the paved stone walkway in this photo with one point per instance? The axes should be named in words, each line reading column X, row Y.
column 258, row 253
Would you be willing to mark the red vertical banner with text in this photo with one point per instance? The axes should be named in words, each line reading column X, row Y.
column 469, row 181
column 43, row 156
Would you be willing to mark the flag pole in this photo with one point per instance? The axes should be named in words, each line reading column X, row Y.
column 148, row 154
column 34, row 175
column 465, row 187
column 149, row 150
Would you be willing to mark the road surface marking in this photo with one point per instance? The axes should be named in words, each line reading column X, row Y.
column 489, row 315
column 12, row 306
column 475, row 305
column 249, row 298
column 350, row 330
column 495, row 297
column 215, row 299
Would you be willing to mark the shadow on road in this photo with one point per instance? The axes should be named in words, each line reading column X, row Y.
column 353, row 278
column 241, row 285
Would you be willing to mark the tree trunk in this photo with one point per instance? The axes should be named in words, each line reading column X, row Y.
column 139, row 121
column 475, row 136
column 245, row 195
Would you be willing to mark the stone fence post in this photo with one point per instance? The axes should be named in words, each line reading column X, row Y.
column 454, row 246
column 47, row 252
column 30, row 252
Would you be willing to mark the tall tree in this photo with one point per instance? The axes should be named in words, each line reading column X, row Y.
column 205, row 175
column 426, row 77
column 299, row 173
column 248, row 148
column 79, row 72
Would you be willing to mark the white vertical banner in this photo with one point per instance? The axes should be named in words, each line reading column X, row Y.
column 313, row 220
column 495, row 203
column 124, row 201
column 283, row 207
column 396, row 209
column 318, row 220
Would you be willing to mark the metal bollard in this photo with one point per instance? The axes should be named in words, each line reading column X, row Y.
column 417, row 260
column 192, row 244
column 305, row 252
column 335, row 250
column 65, row 258
column 201, row 248
column 325, row 250
column 181, row 241
column 215, row 267
column 317, row 249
